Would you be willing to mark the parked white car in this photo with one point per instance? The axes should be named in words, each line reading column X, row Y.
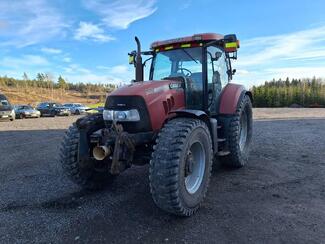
column 7, row 111
column 76, row 108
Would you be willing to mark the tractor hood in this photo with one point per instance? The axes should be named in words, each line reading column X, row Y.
column 154, row 98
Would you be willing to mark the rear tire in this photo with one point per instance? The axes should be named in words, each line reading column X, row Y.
column 239, row 135
column 181, row 166
column 86, row 177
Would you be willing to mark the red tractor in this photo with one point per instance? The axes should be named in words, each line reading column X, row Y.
column 185, row 117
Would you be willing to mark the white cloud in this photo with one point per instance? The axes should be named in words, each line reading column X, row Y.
column 91, row 31
column 51, row 50
column 185, row 4
column 120, row 14
column 295, row 55
column 30, row 22
column 282, row 46
column 93, row 78
column 66, row 59
column 119, row 74
column 298, row 72
column 76, row 69
column 3, row 24
column 116, row 70
column 24, row 61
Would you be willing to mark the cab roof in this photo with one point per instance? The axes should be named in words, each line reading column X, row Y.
column 203, row 37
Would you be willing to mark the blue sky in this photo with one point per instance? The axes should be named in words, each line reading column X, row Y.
column 88, row 40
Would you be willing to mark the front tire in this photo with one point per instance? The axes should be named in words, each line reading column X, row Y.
column 181, row 164
column 87, row 176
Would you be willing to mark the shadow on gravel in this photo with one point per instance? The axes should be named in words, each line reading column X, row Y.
column 69, row 202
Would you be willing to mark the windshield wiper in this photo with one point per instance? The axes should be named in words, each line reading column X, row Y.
column 189, row 55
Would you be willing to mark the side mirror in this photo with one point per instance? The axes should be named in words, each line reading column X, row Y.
column 132, row 57
column 231, row 72
column 217, row 56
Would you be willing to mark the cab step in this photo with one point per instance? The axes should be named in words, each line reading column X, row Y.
column 223, row 153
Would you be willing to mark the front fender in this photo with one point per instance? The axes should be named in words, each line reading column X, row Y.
column 188, row 113
column 212, row 123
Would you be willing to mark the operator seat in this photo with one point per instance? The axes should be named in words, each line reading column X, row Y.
column 216, row 81
column 196, row 79
column 214, row 89
column 194, row 88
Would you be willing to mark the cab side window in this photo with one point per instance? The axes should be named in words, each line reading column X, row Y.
column 216, row 74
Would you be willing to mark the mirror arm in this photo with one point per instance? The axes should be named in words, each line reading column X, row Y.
column 144, row 63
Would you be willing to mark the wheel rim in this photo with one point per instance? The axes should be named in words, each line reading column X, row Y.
column 243, row 131
column 194, row 167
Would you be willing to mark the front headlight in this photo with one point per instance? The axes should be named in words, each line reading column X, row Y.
column 126, row 115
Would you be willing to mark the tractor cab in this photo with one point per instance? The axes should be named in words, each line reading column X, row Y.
column 201, row 62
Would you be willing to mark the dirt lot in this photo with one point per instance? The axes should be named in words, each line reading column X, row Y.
column 278, row 198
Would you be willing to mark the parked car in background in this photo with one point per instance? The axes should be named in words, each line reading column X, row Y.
column 26, row 111
column 7, row 111
column 52, row 109
column 76, row 108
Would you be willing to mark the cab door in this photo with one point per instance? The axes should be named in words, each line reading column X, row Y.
column 217, row 76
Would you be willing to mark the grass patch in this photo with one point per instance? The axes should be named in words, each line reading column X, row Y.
column 96, row 105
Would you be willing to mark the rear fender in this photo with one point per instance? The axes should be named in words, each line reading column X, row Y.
column 230, row 98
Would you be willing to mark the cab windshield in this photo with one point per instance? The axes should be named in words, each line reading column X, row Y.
column 184, row 64
column 178, row 62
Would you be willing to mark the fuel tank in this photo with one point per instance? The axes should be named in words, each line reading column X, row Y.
column 153, row 99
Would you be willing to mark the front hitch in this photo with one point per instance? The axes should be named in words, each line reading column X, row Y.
column 122, row 138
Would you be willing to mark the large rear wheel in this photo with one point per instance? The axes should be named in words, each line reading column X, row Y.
column 239, row 135
column 181, row 166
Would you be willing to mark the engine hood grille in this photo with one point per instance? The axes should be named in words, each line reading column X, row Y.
column 131, row 102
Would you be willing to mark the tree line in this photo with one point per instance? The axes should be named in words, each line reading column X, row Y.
column 47, row 81
column 285, row 93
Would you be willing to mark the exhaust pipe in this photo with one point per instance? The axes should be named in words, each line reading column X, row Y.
column 138, row 62
column 101, row 152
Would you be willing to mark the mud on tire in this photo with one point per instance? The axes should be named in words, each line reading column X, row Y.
column 177, row 147
column 85, row 176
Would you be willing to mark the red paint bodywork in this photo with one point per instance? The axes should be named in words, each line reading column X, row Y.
column 229, row 98
column 195, row 38
column 155, row 94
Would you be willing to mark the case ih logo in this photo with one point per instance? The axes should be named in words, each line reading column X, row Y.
column 175, row 85
column 157, row 89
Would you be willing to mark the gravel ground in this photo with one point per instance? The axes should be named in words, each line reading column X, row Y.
column 279, row 197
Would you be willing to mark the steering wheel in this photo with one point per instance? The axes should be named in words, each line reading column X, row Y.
column 189, row 73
